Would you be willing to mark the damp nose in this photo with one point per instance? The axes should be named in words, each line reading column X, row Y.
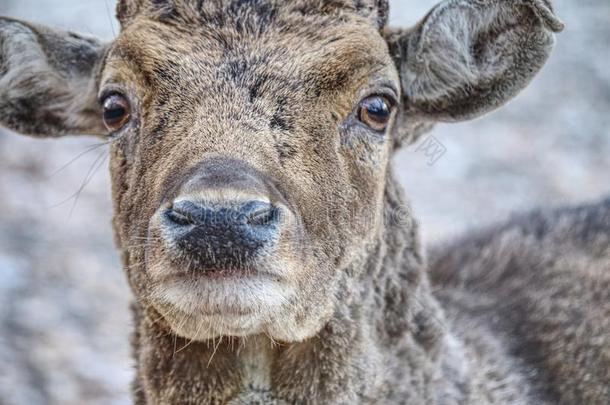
column 221, row 235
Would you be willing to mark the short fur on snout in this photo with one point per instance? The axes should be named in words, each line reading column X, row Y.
column 339, row 309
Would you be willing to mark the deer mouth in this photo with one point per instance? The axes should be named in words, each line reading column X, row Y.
column 220, row 302
column 196, row 278
column 217, row 273
column 270, row 289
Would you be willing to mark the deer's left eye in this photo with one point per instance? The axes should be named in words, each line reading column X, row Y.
column 117, row 112
column 375, row 112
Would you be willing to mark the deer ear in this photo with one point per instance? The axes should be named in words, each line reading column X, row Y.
column 126, row 10
column 468, row 57
column 48, row 81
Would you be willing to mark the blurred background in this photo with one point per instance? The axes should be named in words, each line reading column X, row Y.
column 64, row 317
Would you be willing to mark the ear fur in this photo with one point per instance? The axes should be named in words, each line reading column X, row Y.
column 468, row 57
column 126, row 10
column 48, row 80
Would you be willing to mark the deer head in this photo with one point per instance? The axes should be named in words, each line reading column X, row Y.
column 251, row 140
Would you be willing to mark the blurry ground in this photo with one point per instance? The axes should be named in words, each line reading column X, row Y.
column 64, row 320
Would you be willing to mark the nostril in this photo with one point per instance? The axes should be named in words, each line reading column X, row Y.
column 259, row 213
column 260, row 218
column 255, row 214
column 185, row 213
column 179, row 218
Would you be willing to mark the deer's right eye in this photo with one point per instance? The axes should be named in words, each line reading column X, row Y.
column 375, row 112
column 117, row 112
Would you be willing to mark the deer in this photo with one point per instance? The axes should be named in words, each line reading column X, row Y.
column 272, row 255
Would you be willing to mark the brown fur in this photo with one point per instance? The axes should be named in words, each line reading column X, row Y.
column 268, row 88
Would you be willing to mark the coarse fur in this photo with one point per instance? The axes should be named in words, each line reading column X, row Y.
column 545, row 277
column 233, row 100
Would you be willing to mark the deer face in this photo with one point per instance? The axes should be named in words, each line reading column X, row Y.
column 245, row 149
column 250, row 141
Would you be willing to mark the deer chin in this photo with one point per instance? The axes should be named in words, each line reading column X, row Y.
column 209, row 307
column 232, row 302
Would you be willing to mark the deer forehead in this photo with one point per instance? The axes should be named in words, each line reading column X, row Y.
column 281, row 59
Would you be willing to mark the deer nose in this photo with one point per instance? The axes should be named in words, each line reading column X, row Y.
column 222, row 236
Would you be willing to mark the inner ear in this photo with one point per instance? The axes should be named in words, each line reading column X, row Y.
column 468, row 57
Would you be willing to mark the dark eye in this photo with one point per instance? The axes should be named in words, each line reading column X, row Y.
column 117, row 112
column 375, row 112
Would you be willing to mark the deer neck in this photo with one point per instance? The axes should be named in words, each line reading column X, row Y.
column 385, row 331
